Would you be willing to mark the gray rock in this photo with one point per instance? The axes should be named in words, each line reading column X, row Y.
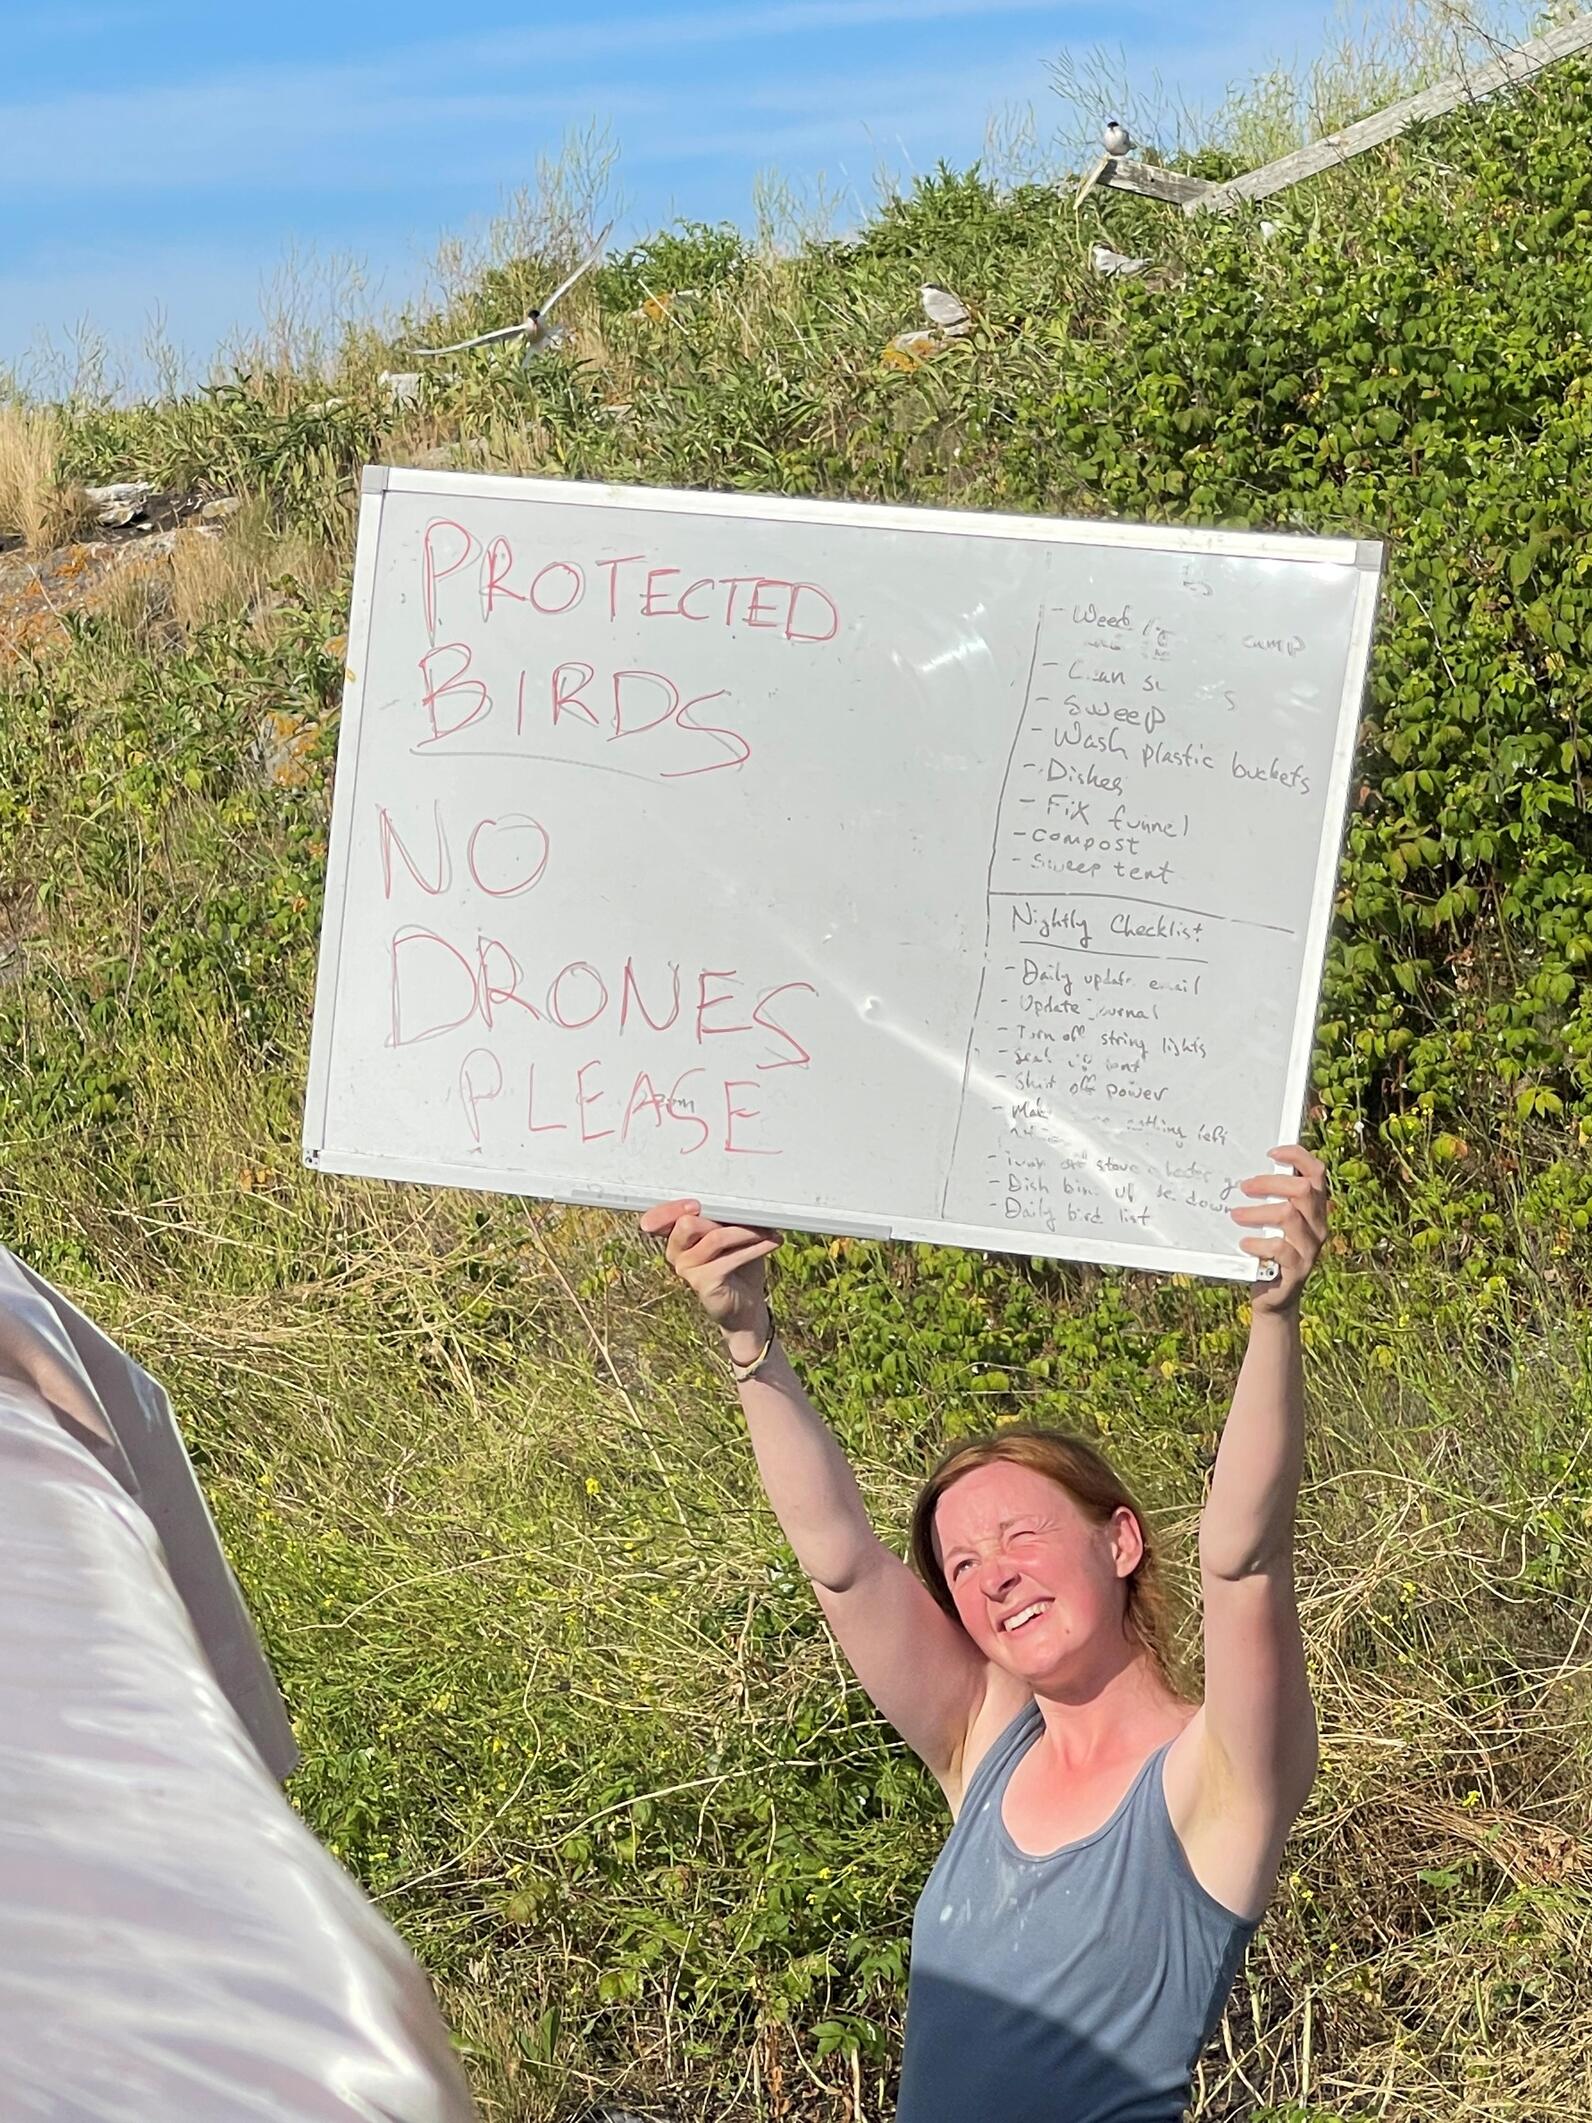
column 121, row 503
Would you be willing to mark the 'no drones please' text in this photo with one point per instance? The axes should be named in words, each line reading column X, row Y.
column 542, row 1033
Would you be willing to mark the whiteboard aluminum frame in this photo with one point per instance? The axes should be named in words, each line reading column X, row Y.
column 928, row 1231
column 1363, row 555
column 868, row 515
column 340, row 833
column 1334, row 817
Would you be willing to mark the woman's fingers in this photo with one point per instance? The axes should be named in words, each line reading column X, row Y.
column 1279, row 1213
column 1306, row 1194
column 1292, row 1265
column 1303, row 1162
column 1283, row 1185
column 725, row 1264
column 683, row 1235
column 713, row 1241
column 695, row 1246
column 1294, row 1204
column 660, row 1221
column 1296, row 1228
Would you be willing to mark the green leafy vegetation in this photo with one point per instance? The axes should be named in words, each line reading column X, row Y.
column 566, row 1707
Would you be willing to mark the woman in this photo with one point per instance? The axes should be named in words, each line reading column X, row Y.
column 1114, row 1843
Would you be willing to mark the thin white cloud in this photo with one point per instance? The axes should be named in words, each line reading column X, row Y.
column 312, row 129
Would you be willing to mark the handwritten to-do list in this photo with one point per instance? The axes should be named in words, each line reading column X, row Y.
column 885, row 871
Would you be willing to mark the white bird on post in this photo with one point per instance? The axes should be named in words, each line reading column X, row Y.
column 947, row 312
column 532, row 328
column 1119, row 141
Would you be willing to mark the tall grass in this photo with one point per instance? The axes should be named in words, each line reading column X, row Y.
column 568, row 1710
column 38, row 504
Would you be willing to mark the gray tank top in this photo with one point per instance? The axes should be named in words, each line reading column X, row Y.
column 1074, row 1988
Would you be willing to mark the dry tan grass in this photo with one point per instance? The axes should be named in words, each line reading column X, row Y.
column 38, row 503
column 134, row 598
column 237, row 567
column 151, row 596
column 521, row 446
column 213, row 572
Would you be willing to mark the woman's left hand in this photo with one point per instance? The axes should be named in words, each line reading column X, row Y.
column 1302, row 1221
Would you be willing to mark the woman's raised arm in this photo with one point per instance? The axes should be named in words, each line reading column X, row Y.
column 916, row 1664
column 1259, row 1737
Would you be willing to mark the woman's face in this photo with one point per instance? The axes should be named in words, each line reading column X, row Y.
column 1036, row 1580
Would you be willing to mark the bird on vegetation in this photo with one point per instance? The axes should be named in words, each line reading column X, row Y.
column 1114, row 264
column 947, row 312
column 533, row 328
column 1117, row 137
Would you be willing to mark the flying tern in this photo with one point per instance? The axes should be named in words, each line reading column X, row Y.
column 532, row 328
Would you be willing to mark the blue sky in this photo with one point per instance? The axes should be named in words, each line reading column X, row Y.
column 166, row 155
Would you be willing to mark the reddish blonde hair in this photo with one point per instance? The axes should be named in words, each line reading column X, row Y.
column 1095, row 1487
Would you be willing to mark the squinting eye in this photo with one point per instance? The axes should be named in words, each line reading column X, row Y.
column 958, row 1568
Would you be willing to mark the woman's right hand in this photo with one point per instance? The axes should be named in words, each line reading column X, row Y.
column 722, row 1263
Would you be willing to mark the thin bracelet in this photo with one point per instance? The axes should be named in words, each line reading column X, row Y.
column 742, row 1372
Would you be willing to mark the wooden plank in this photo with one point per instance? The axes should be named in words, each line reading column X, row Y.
column 1467, row 86
column 1153, row 183
column 1090, row 178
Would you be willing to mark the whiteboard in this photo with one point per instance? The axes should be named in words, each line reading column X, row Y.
column 897, row 872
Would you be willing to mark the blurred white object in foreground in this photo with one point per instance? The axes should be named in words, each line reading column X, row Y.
column 174, row 1943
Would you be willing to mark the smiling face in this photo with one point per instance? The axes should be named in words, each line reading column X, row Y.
column 1040, row 1585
